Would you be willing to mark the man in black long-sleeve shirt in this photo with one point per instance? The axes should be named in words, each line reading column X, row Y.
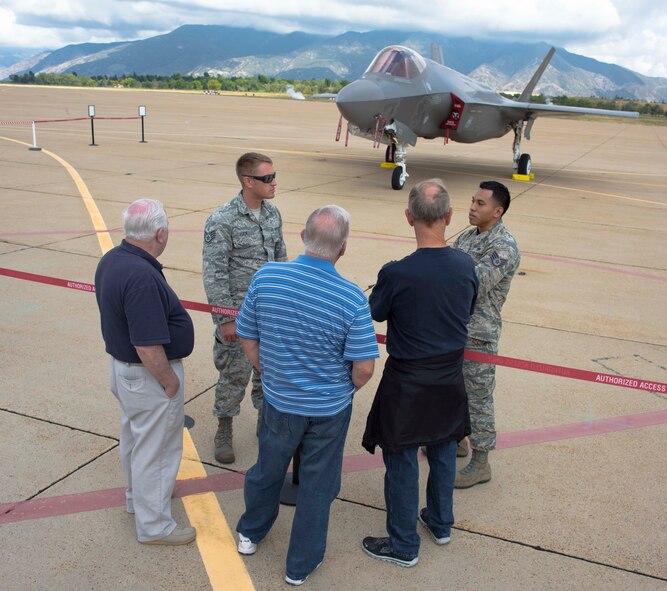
column 427, row 299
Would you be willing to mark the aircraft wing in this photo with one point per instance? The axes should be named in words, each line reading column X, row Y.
column 532, row 110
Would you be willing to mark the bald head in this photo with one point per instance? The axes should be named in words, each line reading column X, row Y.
column 326, row 232
column 429, row 202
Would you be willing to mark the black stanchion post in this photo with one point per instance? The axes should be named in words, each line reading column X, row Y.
column 142, row 114
column 91, row 114
column 290, row 490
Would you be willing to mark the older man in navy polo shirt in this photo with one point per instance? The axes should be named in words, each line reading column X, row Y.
column 147, row 332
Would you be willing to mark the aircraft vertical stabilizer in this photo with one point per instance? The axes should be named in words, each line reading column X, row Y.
column 528, row 91
column 437, row 54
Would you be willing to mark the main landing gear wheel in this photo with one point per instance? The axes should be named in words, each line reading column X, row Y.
column 524, row 164
column 389, row 154
column 398, row 178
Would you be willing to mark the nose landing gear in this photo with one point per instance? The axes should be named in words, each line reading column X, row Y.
column 395, row 159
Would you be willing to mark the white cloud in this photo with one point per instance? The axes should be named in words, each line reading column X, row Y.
column 631, row 33
column 15, row 35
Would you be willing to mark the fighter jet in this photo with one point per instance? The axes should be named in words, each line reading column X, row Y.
column 403, row 96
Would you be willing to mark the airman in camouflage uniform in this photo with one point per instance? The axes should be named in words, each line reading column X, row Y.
column 239, row 237
column 497, row 259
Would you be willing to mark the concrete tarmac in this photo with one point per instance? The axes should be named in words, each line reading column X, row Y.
column 577, row 495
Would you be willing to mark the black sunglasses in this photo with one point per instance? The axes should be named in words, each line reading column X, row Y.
column 267, row 178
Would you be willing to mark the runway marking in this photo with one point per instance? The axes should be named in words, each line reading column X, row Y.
column 547, row 257
column 215, row 541
column 601, row 194
column 214, row 538
column 103, row 236
column 204, row 486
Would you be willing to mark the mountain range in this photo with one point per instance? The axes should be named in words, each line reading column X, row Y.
column 231, row 51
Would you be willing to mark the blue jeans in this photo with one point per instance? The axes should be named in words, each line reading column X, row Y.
column 322, row 440
column 401, row 494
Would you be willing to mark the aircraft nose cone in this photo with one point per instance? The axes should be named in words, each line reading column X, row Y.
column 358, row 102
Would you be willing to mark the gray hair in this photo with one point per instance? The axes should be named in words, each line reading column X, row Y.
column 429, row 201
column 143, row 218
column 327, row 230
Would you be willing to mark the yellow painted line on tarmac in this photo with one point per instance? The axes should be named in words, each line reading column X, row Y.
column 588, row 191
column 224, row 566
column 103, row 236
column 226, row 570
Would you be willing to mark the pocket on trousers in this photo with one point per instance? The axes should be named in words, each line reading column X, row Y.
column 132, row 384
column 277, row 422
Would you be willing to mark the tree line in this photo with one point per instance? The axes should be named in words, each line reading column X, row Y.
column 268, row 84
column 255, row 84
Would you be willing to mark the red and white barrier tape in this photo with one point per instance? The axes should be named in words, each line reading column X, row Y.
column 65, row 120
column 545, row 368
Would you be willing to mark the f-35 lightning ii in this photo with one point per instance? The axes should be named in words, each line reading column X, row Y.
column 403, row 96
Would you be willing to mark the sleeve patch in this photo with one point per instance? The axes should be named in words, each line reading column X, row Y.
column 208, row 237
column 496, row 261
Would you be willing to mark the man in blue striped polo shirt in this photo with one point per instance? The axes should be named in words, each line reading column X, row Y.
column 310, row 334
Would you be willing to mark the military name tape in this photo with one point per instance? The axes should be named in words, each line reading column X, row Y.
column 545, row 368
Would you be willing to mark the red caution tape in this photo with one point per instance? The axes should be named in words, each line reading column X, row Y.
column 65, row 120
column 48, row 280
column 221, row 310
column 545, row 368
column 567, row 372
column 61, row 120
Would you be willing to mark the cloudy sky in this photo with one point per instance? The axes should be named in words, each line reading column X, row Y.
column 631, row 33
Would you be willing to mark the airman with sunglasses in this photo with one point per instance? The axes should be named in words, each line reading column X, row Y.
column 239, row 237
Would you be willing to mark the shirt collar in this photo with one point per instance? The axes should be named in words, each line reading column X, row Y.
column 312, row 261
column 132, row 249
column 493, row 229
column 243, row 206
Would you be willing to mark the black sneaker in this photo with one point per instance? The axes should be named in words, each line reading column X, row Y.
column 440, row 541
column 381, row 548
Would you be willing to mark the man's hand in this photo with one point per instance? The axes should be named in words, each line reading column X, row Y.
column 228, row 331
column 251, row 349
column 362, row 371
column 171, row 388
column 156, row 362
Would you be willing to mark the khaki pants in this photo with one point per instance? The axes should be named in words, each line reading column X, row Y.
column 151, row 445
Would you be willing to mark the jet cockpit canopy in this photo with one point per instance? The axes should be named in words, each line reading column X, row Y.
column 398, row 61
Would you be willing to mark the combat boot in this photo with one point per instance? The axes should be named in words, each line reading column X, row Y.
column 224, row 452
column 462, row 448
column 476, row 472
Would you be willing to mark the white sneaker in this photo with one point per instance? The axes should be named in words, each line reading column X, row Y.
column 246, row 546
column 296, row 582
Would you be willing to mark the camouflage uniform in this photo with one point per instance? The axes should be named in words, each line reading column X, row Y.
column 235, row 246
column 497, row 258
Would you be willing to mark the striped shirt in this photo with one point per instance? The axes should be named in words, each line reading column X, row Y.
column 311, row 324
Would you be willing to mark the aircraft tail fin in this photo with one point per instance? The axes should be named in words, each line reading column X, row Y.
column 436, row 54
column 528, row 91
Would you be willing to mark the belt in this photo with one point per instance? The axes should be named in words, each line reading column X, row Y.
column 171, row 361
